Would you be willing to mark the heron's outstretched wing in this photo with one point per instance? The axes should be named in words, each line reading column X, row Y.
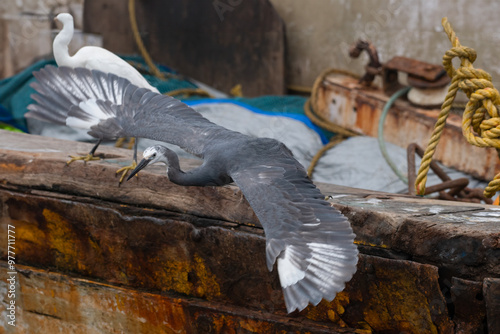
column 60, row 88
column 312, row 241
column 111, row 107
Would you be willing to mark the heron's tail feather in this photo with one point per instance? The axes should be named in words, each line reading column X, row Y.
column 321, row 276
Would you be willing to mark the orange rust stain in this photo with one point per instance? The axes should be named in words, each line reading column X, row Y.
column 398, row 298
column 28, row 234
column 174, row 272
column 329, row 311
column 367, row 117
column 174, row 276
column 364, row 243
column 12, row 167
column 145, row 311
column 63, row 239
column 221, row 323
column 208, row 287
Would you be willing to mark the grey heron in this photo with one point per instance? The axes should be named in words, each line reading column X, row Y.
column 312, row 242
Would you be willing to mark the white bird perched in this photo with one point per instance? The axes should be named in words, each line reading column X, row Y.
column 311, row 242
column 95, row 58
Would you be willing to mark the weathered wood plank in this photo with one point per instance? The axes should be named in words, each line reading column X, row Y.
column 48, row 302
column 164, row 252
column 461, row 238
column 491, row 291
column 42, row 166
column 217, row 42
column 469, row 306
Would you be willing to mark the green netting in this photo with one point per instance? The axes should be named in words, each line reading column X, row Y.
column 15, row 94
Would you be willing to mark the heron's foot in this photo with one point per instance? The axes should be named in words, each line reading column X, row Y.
column 85, row 158
column 125, row 170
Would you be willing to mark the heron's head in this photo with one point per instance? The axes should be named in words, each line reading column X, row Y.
column 64, row 18
column 151, row 155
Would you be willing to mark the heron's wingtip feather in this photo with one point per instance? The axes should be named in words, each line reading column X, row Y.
column 326, row 273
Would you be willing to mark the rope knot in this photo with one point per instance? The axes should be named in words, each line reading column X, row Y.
column 467, row 57
column 481, row 118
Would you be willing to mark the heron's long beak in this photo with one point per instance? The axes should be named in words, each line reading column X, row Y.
column 141, row 165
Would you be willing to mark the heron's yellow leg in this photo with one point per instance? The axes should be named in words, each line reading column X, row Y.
column 125, row 170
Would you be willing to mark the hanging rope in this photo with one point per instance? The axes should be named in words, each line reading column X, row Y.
column 481, row 121
column 138, row 40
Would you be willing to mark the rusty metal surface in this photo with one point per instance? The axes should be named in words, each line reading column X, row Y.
column 416, row 68
column 457, row 189
column 373, row 67
column 420, row 74
column 424, row 84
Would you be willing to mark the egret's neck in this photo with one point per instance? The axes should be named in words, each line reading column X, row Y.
column 60, row 46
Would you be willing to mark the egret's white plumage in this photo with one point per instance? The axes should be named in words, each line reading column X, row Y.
column 93, row 57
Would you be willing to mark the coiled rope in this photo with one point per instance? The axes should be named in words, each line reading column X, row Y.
column 311, row 110
column 481, row 121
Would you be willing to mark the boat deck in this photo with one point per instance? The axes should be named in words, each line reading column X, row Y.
column 153, row 257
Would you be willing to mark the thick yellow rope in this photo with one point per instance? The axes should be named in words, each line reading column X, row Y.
column 481, row 121
column 138, row 40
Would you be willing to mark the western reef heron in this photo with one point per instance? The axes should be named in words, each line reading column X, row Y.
column 312, row 242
